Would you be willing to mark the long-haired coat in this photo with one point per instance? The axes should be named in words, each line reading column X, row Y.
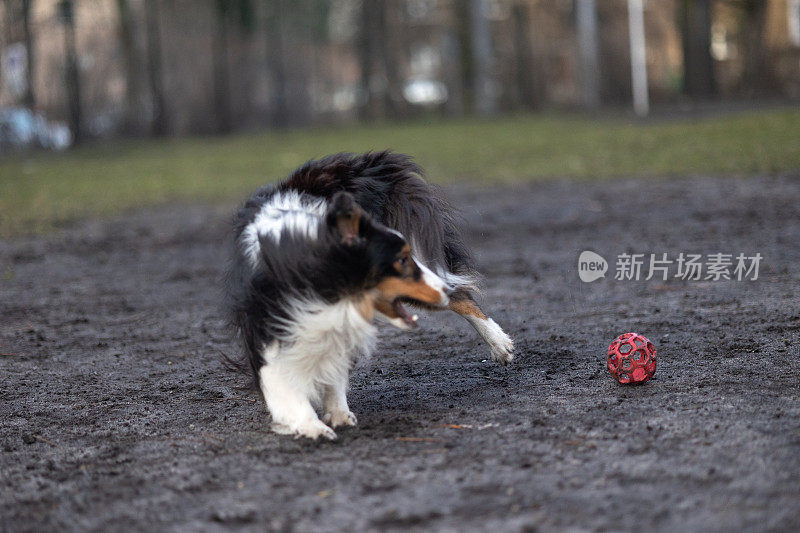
column 343, row 241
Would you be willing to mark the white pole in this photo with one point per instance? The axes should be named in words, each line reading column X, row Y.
column 641, row 102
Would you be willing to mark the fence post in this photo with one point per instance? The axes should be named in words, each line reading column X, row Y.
column 641, row 103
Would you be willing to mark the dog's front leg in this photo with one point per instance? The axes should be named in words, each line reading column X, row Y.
column 288, row 395
column 334, row 404
column 499, row 342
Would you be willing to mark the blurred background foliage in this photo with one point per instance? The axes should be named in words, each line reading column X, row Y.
column 188, row 100
column 176, row 67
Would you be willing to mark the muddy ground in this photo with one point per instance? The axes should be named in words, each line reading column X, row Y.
column 117, row 414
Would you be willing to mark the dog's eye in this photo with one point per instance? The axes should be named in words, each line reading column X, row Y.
column 401, row 265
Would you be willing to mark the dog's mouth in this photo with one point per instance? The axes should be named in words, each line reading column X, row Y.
column 407, row 318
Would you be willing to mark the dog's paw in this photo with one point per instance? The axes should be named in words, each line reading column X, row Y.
column 340, row 418
column 503, row 349
column 310, row 429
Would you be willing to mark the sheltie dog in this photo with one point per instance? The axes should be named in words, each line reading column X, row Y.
column 343, row 241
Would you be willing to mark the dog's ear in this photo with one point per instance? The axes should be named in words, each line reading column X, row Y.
column 344, row 217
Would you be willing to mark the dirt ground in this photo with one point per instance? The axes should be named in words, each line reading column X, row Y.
column 117, row 414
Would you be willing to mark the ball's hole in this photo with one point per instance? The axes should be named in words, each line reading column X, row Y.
column 625, row 348
column 626, row 364
column 638, row 342
column 623, row 377
column 651, row 348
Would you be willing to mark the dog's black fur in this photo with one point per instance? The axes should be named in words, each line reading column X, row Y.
column 390, row 189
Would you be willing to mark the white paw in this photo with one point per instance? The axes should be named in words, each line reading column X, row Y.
column 311, row 429
column 501, row 344
column 502, row 349
column 340, row 418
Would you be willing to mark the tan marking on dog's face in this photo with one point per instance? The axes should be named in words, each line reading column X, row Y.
column 408, row 283
column 467, row 308
column 393, row 288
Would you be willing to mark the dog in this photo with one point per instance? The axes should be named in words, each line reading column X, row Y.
column 342, row 242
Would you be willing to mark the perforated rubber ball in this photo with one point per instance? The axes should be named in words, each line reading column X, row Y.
column 632, row 358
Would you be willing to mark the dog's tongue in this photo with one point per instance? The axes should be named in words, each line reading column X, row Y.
column 411, row 321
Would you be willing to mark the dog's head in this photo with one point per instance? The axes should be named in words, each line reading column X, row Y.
column 391, row 274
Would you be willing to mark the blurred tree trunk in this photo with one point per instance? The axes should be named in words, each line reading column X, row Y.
column 390, row 23
column 483, row 92
column 463, row 19
column 380, row 56
column 369, row 35
column 698, row 65
column 155, row 69
column 133, row 85
column 522, row 47
column 221, row 67
column 454, row 106
column 756, row 76
column 588, row 52
column 67, row 16
column 277, row 61
column 30, row 96
column 241, row 85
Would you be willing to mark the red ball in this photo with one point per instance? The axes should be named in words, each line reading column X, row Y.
column 632, row 358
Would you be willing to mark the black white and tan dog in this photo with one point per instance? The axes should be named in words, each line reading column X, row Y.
column 343, row 241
